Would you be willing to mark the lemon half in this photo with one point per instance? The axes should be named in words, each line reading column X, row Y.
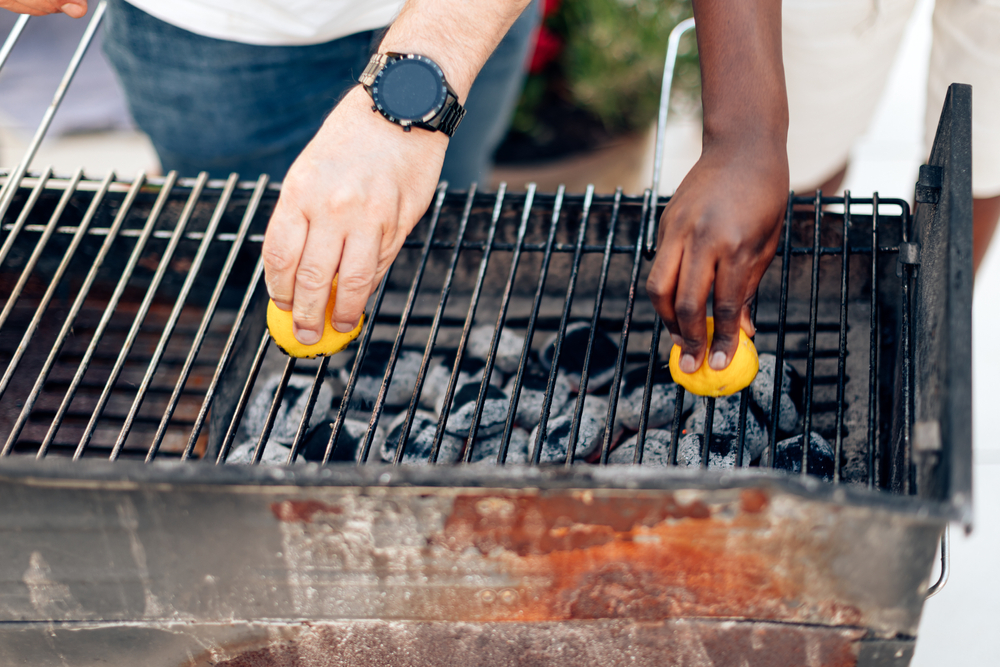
column 279, row 323
column 708, row 382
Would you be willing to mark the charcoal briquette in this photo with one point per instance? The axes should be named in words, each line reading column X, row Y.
column 508, row 353
column 559, row 429
column 662, row 397
column 762, row 392
column 372, row 372
column 789, row 456
column 603, row 356
column 486, row 450
column 275, row 454
column 725, row 424
column 721, row 453
column 420, row 441
column 464, row 407
column 655, row 449
column 532, row 397
column 293, row 405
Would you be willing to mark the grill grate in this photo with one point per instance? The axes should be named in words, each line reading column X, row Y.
column 133, row 326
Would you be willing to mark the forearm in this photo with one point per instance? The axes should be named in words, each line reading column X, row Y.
column 458, row 35
column 743, row 79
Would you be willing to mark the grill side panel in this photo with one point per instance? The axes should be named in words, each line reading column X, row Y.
column 187, row 552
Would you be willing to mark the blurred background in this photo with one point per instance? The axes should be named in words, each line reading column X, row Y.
column 586, row 116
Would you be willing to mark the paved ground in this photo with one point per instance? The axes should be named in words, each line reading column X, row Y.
column 960, row 624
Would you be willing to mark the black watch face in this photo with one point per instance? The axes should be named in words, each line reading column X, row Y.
column 409, row 90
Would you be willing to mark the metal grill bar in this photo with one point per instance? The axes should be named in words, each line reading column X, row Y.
column 40, row 244
column 272, row 413
column 179, row 302
column 436, row 324
column 241, row 406
column 14, row 180
column 224, row 360
column 626, row 330
column 49, row 293
column 401, row 333
column 210, row 310
column 12, row 37
column 504, row 303
column 469, row 319
column 366, row 337
column 588, row 200
column 137, row 321
column 779, row 354
column 522, row 364
column 598, row 303
column 308, row 412
column 873, row 380
column 838, row 447
column 813, row 313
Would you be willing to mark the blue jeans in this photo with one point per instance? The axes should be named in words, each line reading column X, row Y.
column 222, row 107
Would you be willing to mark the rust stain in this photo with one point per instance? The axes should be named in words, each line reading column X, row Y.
column 644, row 558
column 301, row 511
column 753, row 501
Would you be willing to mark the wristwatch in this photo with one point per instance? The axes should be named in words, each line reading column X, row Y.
column 411, row 91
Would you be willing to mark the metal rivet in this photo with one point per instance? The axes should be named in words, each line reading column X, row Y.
column 508, row 596
column 487, row 596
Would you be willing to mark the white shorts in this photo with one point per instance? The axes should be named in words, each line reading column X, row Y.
column 838, row 54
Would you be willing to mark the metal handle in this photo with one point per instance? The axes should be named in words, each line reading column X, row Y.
column 945, row 567
column 14, row 179
column 673, row 45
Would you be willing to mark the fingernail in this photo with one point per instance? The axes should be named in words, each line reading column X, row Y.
column 345, row 327
column 687, row 364
column 678, row 341
column 306, row 336
column 282, row 305
column 718, row 361
column 73, row 11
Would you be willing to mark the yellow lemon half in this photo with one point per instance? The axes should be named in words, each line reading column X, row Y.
column 279, row 323
column 707, row 382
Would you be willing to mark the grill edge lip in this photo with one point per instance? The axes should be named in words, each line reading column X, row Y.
column 452, row 480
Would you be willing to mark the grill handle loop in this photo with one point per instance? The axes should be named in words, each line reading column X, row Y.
column 669, row 65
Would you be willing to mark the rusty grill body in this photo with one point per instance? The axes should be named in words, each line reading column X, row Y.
column 133, row 344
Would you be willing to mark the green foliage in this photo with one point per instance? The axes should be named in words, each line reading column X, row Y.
column 612, row 62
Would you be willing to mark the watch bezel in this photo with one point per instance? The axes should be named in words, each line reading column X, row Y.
column 441, row 100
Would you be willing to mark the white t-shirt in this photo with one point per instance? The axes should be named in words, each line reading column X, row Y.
column 274, row 22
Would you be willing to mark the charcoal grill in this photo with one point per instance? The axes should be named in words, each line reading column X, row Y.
column 134, row 348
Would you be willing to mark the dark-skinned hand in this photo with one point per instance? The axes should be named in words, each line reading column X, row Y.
column 721, row 229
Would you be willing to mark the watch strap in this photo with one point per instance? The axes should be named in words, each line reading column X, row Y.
column 451, row 115
column 375, row 64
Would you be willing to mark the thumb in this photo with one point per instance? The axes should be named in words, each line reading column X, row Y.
column 75, row 9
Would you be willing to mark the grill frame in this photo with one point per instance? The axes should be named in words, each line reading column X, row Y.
column 114, row 508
